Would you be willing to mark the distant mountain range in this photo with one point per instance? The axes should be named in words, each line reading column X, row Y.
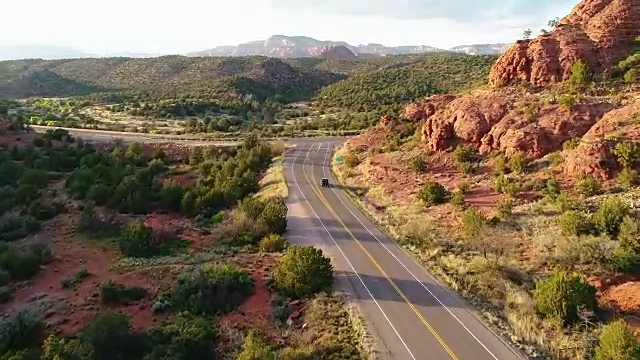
column 276, row 46
column 303, row 46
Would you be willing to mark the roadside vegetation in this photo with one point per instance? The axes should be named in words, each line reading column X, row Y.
column 146, row 252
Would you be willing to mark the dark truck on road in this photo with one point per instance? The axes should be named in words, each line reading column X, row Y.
column 324, row 182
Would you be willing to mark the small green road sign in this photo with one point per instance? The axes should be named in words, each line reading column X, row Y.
column 339, row 159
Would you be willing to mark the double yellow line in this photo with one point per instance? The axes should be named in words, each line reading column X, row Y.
column 322, row 198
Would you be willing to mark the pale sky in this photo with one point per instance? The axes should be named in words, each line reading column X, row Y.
column 170, row 26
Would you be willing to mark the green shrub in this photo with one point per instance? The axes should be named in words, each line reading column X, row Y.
column 433, row 193
column 500, row 164
column 272, row 243
column 505, row 209
column 617, row 342
column 567, row 101
column 628, row 153
column 610, row 215
column 571, row 144
column 303, row 271
column 629, row 233
column 465, row 154
column 255, row 348
column 217, row 218
column 573, row 223
column 623, row 259
column 519, row 162
column 628, row 178
column 298, row 353
column 552, row 188
column 565, row 203
column 113, row 293
column 589, row 186
column 467, row 168
column 473, row 221
column 182, row 339
column 580, row 73
column 110, row 336
column 6, row 293
column 631, row 76
column 500, row 184
column 274, row 216
column 212, row 289
column 560, row 296
column 99, row 194
column 418, row 165
column 137, row 240
column 513, row 189
column 463, row 187
column 457, row 198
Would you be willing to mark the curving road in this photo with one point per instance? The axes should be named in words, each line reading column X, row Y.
column 409, row 315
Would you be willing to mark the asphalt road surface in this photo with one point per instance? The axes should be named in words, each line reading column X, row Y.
column 408, row 313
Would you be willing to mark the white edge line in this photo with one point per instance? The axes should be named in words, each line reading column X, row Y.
column 342, row 252
column 404, row 266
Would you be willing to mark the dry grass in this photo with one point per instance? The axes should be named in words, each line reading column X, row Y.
column 273, row 182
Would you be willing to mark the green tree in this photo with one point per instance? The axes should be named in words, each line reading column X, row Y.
column 254, row 348
column 610, row 215
column 433, row 193
column 302, row 271
column 136, row 240
column 580, row 74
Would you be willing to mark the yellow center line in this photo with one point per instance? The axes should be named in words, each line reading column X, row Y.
column 377, row 265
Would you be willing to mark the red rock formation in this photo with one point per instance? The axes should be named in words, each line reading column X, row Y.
column 594, row 155
column 600, row 32
column 424, row 109
column 492, row 120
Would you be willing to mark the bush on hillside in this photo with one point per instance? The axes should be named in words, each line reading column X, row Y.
column 137, row 240
column 303, row 271
column 272, row 243
column 589, row 186
column 255, row 348
column 113, row 293
column 574, row 223
column 183, row 338
column 560, row 296
column 610, row 215
column 433, row 193
column 617, row 342
column 629, row 233
column 519, row 162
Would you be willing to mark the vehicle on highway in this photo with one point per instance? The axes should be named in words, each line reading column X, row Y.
column 324, row 182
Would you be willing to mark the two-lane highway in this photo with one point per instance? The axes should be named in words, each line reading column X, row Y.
column 404, row 307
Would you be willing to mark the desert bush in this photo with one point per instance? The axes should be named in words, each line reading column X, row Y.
column 467, row 168
column 580, row 73
column 505, row 209
column 610, row 215
column 274, row 216
column 565, row 203
column 137, row 240
column 99, row 194
column 571, row 144
column 417, row 164
column 500, row 184
column 113, row 293
column 298, row 353
column 71, row 282
column 351, row 160
column 513, row 189
column 519, row 162
column 217, row 218
column 463, row 187
column 433, row 193
column 212, row 289
column 567, row 101
column 500, row 164
column 255, row 348
column 110, row 336
column 631, row 76
column 552, row 188
column 623, row 259
column 561, row 296
column 6, row 293
column 465, row 153
column 629, row 232
column 21, row 264
column 457, row 198
column 183, row 338
column 303, row 271
column 589, row 186
column 617, row 342
column 628, row 153
column 473, row 220
column 91, row 222
column 19, row 331
column 272, row 243
column 628, row 178
column 574, row 223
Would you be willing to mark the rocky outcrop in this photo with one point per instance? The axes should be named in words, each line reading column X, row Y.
column 424, row 109
column 600, row 32
column 594, row 155
column 333, row 52
column 496, row 120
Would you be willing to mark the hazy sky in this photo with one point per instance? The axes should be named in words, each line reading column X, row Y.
column 178, row 26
